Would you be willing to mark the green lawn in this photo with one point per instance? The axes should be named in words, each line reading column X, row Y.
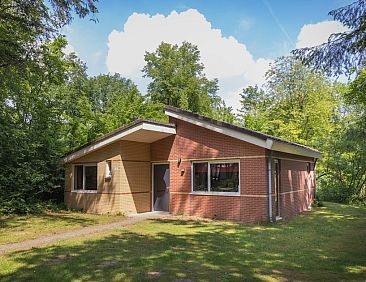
column 326, row 244
column 19, row 228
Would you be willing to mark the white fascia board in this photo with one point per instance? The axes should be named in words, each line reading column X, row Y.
column 114, row 138
column 296, row 150
column 226, row 131
column 158, row 128
column 98, row 145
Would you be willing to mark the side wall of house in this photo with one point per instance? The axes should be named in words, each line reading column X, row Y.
column 129, row 189
column 297, row 185
column 192, row 143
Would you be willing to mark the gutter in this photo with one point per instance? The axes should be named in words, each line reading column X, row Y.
column 270, row 187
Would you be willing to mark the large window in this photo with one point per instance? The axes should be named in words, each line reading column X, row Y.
column 216, row 177
column 85, row 177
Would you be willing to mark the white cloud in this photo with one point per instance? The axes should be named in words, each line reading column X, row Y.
column 224, row 57
column 315, row 34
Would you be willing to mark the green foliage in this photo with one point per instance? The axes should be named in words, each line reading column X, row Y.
column 344, row 175
column 254, row 103
column 30, row 127
column 344, row 164
column 178, row 80
column 304, row 106
column 98, row 105
column 32, row 64
column 317, row 203
column 26, row 25
column 296, row 104
column 177, row 77
column 48, row 109
column 357, row 92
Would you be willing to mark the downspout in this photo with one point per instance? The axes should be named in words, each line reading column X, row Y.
column 315, row 178
column 270, row 187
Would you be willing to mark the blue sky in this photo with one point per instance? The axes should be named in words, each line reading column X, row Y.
column 249, row 32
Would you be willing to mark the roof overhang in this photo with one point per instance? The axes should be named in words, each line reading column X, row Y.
column 267, row 143
column 296, row 150
column 143, row 131
column 227, row 131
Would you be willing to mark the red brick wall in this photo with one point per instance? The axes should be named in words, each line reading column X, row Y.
column 296, row 184
column 196, row 143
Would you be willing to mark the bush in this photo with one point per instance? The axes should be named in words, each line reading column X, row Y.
column 20, row 206
column 317, row 203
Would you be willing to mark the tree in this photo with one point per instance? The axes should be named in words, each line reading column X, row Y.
column 178, row 79
column 343, row 177
column 297, row 103
column 357, row 93
column 25, row 25
column 31, row 130
column 344, row 52
column 253, row 102
column 95, row 106
column 32, row 65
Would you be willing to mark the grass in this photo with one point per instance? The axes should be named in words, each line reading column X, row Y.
column 20, row 228
column 326, row 244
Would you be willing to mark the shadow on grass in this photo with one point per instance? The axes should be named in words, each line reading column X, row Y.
column 316, row 246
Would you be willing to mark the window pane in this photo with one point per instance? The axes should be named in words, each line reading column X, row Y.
column 225, row 177
column 91, row 178
column 200, row 172
column 78, row 177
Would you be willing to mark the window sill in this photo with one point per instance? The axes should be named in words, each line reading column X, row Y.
column 232, row 194
column 85, row 191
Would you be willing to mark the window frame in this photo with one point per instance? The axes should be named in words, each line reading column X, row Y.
column 73, row 178
column 308, row 167
column 209, row 192
column 108, row 169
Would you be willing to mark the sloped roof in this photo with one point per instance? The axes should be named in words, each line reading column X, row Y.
column 145, row 125
column 269, row 142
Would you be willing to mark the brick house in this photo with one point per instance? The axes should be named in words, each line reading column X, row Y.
column 192, row 165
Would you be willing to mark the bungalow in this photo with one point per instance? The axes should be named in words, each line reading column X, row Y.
column 193, row 165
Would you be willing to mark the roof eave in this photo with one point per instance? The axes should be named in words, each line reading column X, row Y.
column 167, row 129
column 296, row 150
column 268, row 143
column 261, row 142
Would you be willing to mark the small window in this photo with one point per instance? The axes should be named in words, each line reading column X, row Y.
column 216, row 177
column 85, row 177
column 108, row 169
